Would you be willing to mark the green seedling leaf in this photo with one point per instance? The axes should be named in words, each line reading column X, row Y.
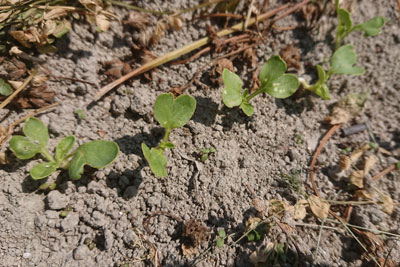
column 36, row 130
column 100, row 153
column 75, row 168
column 42, row 170
column 5, row 88
column 274, row 81
column 247, row 108
column 63, row 147
column 97, row 154
column 23, row 147
column 344, row 23
column 221, row 238
column 81, row 114
column 371, row 27
column 274, row 68
column 172, row 113
column 156, row 159
column 283, row 87
column 343, row 60
column 231, row 95
column 323, row 91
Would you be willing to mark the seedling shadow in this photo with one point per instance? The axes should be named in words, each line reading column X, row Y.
column 206, row 111
column 232, row 116
column 295, row 106
column 132, row 144
column 129, row 190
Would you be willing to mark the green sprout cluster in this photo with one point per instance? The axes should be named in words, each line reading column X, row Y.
column 97, row 154
column 275, row 82
column 171, row 114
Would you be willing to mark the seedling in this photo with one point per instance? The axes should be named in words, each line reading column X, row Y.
column 274, row 81
column 170, row 113
column 221, row 238
column 205, row 152
column 342, row 62
column 97, row 154
column 345, row 26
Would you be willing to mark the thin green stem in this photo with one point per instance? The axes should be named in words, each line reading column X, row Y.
column 257, row 92
column 45, row 153
column 165, row 138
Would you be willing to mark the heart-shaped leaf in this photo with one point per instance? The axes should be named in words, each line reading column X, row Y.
column 5, row 88
column 156, row 159
column 64, row 146
column 343, row 60
column 274, row 68
column 43, row 170
column 174, row 113
column 371, row 27
column 97, row 154
column 36, row 130
column 283, row 86
column 231, row 95
column 23, row 147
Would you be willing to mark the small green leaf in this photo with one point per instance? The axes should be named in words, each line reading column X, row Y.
column 283, row 87
column 222, row 233
column 274, row 68
column 156, row 159
column 99, row 153
column 81, row 114
column 344, row 23
column 343, row 60
column 371, row 27
column 42, row 170
column 64, row 146
column 36, row 130
column 5, row 88
column 398, row 165
column 174, row 113
column 75, row 168
column 23, row 147
column 247, row 108
column 220, row 242
column 232, row 89
column 323, row 91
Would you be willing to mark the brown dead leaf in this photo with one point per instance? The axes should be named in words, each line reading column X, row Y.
column 4, row 159
column 311, row 12
column 369, row 163
column 21, row 38
column 277, row 207
column 258, row 205
column 357, row 178
column 55, row 13
column 299, row 211
column 347, row 108
column 250, row 56
column 220, row 65
column 373, row 242
column 159, row 32
column 137, row 20
column 387, row 262
column 15, row 84
column 291, row 55
column 194, row 234
column 260, row 256
column 364, row 194
column 319, row 206
column 102, row 22
column 252, row 223
column 388, row 205
column 175, row 22
column 5, row 15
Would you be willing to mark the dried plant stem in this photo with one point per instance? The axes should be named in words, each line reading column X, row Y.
column 190, row 47
column 384, row 172
column 13, row 95
column 316, row 154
